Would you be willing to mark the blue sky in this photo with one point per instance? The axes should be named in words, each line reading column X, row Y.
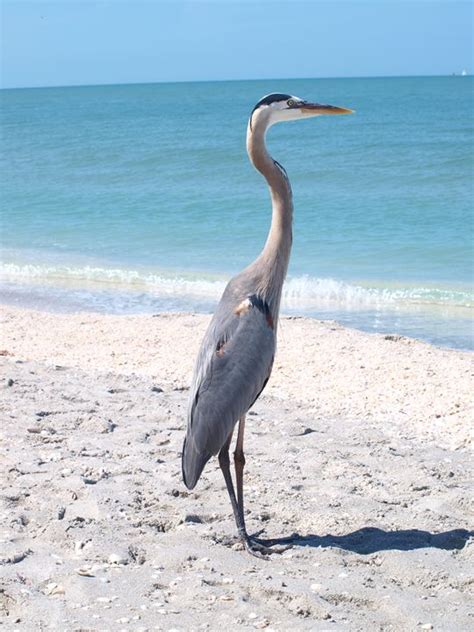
column 90, row 42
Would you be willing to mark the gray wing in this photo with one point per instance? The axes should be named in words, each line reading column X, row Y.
column 233, row 366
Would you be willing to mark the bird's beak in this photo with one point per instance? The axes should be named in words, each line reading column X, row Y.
column 318, row 108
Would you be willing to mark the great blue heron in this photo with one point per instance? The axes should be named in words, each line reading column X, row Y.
column 236, row 356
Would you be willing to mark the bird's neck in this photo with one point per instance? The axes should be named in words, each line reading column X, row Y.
column 276, row 252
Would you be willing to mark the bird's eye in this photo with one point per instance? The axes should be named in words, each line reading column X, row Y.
column 291, row 102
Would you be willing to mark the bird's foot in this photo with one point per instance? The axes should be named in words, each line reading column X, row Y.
column 262, row 548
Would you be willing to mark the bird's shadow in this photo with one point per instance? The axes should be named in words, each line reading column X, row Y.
column 371, row 540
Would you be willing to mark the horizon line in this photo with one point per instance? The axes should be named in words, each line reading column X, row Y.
column 146, row 83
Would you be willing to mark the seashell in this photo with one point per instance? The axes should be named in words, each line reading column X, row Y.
column 226, row 598
column 85, row 571
column 54, row 589
column 116, row 558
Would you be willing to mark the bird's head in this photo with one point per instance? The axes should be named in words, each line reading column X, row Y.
column 276, row 107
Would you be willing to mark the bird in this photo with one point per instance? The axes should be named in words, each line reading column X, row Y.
column 236, row 356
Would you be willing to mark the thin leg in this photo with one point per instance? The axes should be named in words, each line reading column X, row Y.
column 252, row 544
column 239, row 463
column 224, row 463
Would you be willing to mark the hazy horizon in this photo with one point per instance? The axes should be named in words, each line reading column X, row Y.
column 142, row 83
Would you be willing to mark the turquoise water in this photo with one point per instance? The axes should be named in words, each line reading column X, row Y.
column 140, row 198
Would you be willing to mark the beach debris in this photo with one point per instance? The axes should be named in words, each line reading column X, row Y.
column 85, row 571
column 238, row 546
column 89, row 481
column 192, row 518
column 4, row 352
column 167, row 611
column 117, row 559
column 58, row 560
column 44, row 413
column 21, row 520
column 108, row 426
column 10, row 382
column 54, row 589
column 92, row 477
column 156, row 389
column 78, row 523
column 175, row 582
column 61, row 512
column 13, row 497
column 137, row 554
column 15, row 559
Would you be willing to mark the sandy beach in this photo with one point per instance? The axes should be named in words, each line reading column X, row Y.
column 360, row 446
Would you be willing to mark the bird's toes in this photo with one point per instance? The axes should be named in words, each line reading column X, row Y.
column 263, row 549
column 255, row 549
column 284, row 543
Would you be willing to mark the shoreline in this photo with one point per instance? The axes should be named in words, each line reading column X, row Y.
column 336, row 369
column 443, row 326
column 359, row 446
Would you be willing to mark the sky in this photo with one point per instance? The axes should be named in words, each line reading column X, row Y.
column 85, row 42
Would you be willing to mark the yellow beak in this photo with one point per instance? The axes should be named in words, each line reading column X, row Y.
column 318, row 108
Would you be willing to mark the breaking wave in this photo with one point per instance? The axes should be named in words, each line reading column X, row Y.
column 302, row 292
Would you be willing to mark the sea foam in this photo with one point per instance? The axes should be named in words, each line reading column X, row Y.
column 300, row 292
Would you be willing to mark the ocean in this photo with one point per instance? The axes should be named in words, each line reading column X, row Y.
column 141, row 198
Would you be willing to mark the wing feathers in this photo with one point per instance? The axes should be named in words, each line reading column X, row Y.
column 233, row 367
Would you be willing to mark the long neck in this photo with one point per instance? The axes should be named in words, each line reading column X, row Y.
column 273, row 260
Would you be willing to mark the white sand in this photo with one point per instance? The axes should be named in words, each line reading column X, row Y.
column 360, row 445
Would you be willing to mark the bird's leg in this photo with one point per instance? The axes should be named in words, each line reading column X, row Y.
column 224, row 463
column 252, row 544
column 239, row 463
